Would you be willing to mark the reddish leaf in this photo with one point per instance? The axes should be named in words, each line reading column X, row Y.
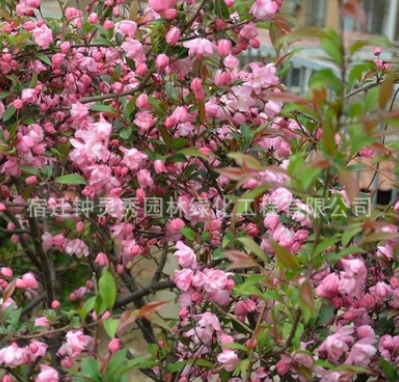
column 127, row 318
column 147, row 310
column 9, row 290
column 306, row 294
column 350, row 183
column 386, row 90
column 240, row 260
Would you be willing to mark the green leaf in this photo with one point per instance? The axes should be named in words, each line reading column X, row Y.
column 91, row 369
column 188, row 233
column 111, row 326
column 286, row 258
column 125, row 133
column 70, row 179
column 30, row 170
column 8, row 113
column 107, row 288
column 222, row 11
column 253, row 247
column 325, row 314
column 192, row 152
column 116, row 362
column 371, row 99
column 248, row 197
column 179, row 143
column 103, row 108
column 389, row 370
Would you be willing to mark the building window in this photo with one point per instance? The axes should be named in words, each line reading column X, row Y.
column 376, row 11
column 316, row 13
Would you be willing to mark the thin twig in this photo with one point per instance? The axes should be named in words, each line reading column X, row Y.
column 122, row 301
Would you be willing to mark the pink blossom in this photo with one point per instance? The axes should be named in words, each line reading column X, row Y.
column 200, row 47
column 264, row 9
column 126, row 28
column 76, row 343
column 37, row 348
column 12, row 356
column 228, row 358
column 244, row 307
column 43, row 36
column 183, row 279
column 78, row 248
column 337, row 344
column 185, row 256
column 362, row 352
column 144, row 120
column 47, row 374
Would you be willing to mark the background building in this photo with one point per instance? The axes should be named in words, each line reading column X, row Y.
column 382, row 20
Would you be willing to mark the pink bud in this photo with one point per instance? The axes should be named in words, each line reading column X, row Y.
column 176, row 224
column 30, row 281
column 120, row 269
column 55, row 304
column 108, row 24
column 141, row 69
column 67, row 363
column 90, row 284
column 172, row 37
column 102, row 260
column 7, row 378
column 72, row 297
column 379, row 63
column 65, row 47
column 93, row 18
column 114, row 345
column 33, row 3
column 106, row 315
column 2, row 207
column 196, row 85
column 170, row 14
column 20, row 284
column 80, row 226
column 377, row 51
column 224, row 47
column 31, row 180
column 33, row 347
column 254, row 43
column 6, row 272
column 162, row 61
column 142, row 101
column 159, row 166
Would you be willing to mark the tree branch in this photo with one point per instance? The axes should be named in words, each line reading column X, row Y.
column 132, row 297
column 37, row 243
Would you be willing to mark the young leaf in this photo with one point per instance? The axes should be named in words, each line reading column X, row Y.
column 286, row 258
column 70, row 179
column 107, row 288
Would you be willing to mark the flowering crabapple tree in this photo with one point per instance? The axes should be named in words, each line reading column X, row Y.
column 133, row 132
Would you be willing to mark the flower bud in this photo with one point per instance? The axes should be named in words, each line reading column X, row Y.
column 172, row 37
column 162, row 61
column 114, row 345
column 224, row 47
